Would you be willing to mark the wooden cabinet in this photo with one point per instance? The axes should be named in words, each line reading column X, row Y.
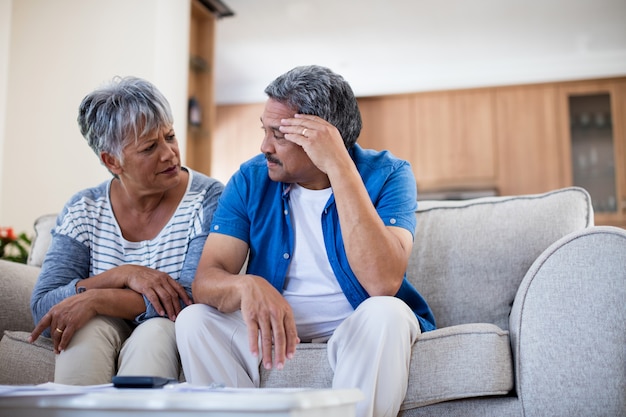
column 515, row 140
column 238, row 137
column 448, row 137
column 454, row 140
column 529, row 149
column 386, row 125
column 201, row 116
column 593, row 138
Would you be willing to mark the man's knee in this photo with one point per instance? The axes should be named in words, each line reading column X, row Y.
column 198, row 319
column 384, row 309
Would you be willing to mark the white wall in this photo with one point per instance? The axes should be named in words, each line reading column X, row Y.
column 399, row 46
column 5, row 29
column 53, row 52
column 58, row 51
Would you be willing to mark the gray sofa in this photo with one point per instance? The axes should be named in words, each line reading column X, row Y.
column 529, row 299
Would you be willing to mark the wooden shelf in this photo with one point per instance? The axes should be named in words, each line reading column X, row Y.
column 201, row 87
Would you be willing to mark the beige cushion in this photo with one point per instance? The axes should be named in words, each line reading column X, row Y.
column 41, row 242
column 456, row 362
column 470, row 257
column 446, row 364
column 16, row 285
column 23, row 362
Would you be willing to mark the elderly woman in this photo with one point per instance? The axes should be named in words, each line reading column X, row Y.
column 124, row 254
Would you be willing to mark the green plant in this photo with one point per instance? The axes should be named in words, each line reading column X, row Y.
column 14, row 247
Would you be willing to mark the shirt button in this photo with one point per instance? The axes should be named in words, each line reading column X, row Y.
column 285, row 255
column 285, row 212
column 216, row 227
column 392, row 221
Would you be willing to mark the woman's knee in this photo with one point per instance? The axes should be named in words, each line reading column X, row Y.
column 157, row 328
column 102, row 330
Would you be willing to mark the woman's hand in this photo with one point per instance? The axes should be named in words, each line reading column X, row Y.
column 64, row 319
column 160, row 289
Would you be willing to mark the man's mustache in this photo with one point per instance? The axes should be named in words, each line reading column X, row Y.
column 271, row 159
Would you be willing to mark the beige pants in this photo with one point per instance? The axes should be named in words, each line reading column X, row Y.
column 370, row 350
column 106, row 346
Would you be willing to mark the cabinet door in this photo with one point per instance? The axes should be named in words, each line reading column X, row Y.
column 386, row 125
column 454, row 140
column 201, row 117
column 529, row 151
column 592, row 116
column 238, row 137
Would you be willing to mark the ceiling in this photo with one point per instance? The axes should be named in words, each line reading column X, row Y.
column 398, row 46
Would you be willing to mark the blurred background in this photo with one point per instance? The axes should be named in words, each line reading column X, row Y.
column 487, row 96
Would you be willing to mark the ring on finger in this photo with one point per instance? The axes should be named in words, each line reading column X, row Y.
column 304, row 132
column 59, row 330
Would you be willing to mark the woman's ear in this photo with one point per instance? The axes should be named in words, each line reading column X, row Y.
column 111, row 162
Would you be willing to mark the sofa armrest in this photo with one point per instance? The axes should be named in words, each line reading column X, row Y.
column 568, row 327
column 16, row 285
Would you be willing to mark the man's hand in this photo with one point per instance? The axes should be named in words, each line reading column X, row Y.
column 268, row 317
column 321, row 141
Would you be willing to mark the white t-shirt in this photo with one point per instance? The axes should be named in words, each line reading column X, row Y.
column 311, row 288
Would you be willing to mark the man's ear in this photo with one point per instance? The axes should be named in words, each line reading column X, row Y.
column 111, row 162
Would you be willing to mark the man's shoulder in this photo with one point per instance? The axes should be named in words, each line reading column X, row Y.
column 373, row 164
column 372, row 156
column 255, row 164
column 253, row 172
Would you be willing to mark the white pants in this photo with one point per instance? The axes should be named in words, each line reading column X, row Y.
column 106, row 346
column 370, row 350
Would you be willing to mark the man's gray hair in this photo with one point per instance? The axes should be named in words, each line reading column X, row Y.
column 318, row 91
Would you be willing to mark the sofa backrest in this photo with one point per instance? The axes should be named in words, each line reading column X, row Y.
column 43, row 227
column 469, row 257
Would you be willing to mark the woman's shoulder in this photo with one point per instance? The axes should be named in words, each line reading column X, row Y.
column 91, row 195
column 202, row 181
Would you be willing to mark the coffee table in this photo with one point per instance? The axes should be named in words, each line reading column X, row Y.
column 225, row 402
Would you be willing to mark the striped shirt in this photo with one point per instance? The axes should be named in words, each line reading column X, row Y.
column 87, row 241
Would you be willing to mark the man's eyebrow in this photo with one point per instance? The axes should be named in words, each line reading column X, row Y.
column 276, row 128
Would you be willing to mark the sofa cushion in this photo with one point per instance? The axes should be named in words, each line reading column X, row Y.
column 25, row 363
column 43, row 226
column 446, row 364
column 469, row 257
column 464, row 361
column 16, row 285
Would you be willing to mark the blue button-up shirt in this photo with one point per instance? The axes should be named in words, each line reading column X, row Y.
column 255, row 209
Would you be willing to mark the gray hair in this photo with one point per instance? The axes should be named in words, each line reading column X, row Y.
column 318, row 91
column 121, row 111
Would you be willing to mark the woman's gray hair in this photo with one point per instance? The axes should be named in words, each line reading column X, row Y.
column 318, row 91
column 121, row 111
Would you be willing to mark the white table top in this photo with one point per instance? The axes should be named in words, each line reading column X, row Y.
column 182, row 400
